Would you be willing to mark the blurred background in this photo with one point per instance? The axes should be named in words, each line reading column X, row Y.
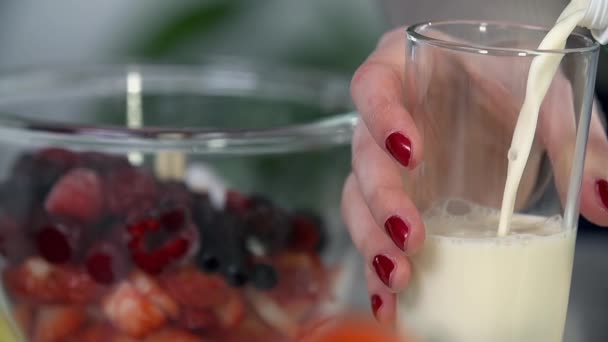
column 334, row 36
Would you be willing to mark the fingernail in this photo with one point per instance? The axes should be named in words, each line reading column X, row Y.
column 602, row 190
column 376, row 304
column 400, row 147
column 398, row 230
column 384, row 268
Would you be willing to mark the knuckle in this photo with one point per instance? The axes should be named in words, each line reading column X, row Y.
column 360, row 75
column 347, row 195
column 377, row 195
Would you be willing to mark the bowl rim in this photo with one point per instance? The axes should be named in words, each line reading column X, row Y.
column 239, row 76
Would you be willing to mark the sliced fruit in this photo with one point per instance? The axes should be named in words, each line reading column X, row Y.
column 251, row 329
column 173, row 335
column 151, row 290
column 194, row 319
column 41, row 282
column 57, row 323
column 232, row 312
column 100, row 332
column 193, row 289
column 298, row 294
column 24, row 315
column 76, row 195
column 131, row 312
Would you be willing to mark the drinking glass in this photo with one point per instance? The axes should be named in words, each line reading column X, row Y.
column 465, row 83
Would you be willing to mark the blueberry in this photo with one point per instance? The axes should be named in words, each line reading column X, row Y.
column 264, row 277
column 208, row 262
column 210, row 225
column 236, row 275
column 234, row 257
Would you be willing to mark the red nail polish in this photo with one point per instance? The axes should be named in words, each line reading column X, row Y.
column 384, row 268
column 602, row 190
column 398, row 230
column 376, row 304
column 400, row 147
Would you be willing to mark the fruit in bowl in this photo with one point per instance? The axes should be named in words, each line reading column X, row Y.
column 96, row 249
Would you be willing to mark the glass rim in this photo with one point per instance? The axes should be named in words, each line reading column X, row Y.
column 413, row 33
column 333, row 129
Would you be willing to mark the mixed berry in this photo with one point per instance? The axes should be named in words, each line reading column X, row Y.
column 96, row 249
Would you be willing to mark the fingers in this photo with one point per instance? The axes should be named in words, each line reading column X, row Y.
column 379, row 183
column 377, row 91
column 594, row 189
column 383, row 302
column 558, row 132
column 382, row 257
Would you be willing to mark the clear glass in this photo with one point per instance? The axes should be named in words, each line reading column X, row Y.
column 465, row 84
column 172, row 203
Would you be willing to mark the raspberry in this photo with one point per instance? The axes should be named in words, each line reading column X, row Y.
column 77, row 195
column 106, row 263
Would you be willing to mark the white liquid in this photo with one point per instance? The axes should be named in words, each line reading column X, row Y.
column 542, row 71
column 468, row 285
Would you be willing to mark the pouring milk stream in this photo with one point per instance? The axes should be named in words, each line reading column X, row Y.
column 590, row 13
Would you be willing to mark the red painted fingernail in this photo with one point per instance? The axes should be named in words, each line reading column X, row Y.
column 602, row 190
column 376, row 304
column 398, row 230
column 384, row 268
column 400, row 147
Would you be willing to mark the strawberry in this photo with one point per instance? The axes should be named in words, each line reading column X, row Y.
column 100, row 332
column 173, row 335
column 301, row 277
column 232, row 312
column 252, row 329
column 38, row 281
column 76, row 195
column 24, row 316
column 301, row 289
column 132, row 313
column 193, row 289
column 151, row 290
column 195, row 319
column 57, row 323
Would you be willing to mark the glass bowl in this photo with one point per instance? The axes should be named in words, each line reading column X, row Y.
column 166, row 203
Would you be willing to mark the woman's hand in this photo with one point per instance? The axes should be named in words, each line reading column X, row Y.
column 383, row 221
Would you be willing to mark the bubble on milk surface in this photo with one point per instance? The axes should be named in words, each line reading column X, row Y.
column 460, row 218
